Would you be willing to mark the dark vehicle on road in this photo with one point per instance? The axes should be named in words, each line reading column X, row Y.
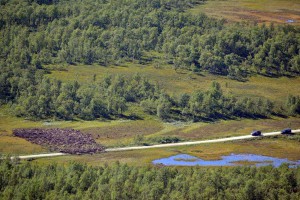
column 286, row 131
column 256, row 133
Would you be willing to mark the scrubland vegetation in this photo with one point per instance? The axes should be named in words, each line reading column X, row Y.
column 38, row 33
column 73, row 64
column 89, row 32
column 38, row 97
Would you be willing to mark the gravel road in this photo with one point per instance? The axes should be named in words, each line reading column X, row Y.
column 197, row 142
column 164, row 145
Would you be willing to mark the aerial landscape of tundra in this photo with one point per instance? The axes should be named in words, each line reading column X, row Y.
column 150, row 99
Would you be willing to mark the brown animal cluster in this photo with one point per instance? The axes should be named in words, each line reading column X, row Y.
column 62, row 140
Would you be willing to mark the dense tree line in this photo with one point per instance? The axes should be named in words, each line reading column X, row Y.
column 32, row 94
column 51, row 98
column 37, row 32
column 293, row 105
column 119, row 181
column 207, row 105
column 238, row 50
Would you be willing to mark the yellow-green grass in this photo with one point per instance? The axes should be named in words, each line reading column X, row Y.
column 276, row 89
column 219, row 129
column 108, row 133
column 8, row 122
column 14, row 145
column 276, row 147
column 10, row 145
column 137, row 158
column 122, row 132
column 262, row 11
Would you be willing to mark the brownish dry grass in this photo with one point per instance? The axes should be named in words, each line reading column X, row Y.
column 136, row 158
column 200, row 131
column 262, row 11
column 122, row 132
column 276, row 147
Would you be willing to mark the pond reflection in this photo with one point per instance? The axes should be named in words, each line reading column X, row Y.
column 231, row 160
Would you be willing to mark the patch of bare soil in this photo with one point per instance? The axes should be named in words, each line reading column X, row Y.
column 62, row 140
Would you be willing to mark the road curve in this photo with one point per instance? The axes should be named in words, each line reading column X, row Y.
column 162, row 145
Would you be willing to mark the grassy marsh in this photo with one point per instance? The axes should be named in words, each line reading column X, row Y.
column 276, row 147
column 263, row 11
column 122, row 132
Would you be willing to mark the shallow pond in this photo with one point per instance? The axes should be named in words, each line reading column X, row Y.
column 290, row 21
column 231, row 160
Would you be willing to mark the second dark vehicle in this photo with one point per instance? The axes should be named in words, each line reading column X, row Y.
column 286, row 131
column 256, row 133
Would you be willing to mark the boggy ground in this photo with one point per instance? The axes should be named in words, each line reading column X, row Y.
column 280, row 147
column 262, row 11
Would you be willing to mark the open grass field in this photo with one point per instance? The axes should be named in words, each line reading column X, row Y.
column 116, row 133
column 122, row 132
column 199, row 131
column 262, row 11
column 276, row 147
column 276, row 89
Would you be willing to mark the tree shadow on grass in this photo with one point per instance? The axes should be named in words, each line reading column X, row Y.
column 130, row 117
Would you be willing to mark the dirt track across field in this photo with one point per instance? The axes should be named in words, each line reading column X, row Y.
column 196, row 142
column 164, row 145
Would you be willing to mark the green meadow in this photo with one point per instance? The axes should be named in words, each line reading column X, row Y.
column 174, row 83
column 120, row 132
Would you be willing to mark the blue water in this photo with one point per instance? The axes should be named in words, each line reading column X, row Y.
column 257, row 160
column 290, row 21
